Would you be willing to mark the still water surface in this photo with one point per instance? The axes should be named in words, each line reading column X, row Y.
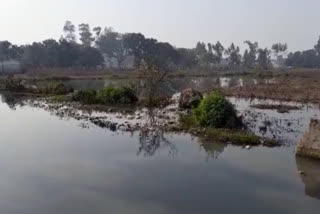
column 51, row 165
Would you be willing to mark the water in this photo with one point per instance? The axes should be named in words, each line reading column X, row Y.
column 52, row 165
column 285, row 127
column 172, row 85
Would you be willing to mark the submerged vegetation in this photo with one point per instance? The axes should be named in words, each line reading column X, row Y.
column 221, row 135
column 13, row 84
column 216, row 119
column 107, row 95
column 54, row 88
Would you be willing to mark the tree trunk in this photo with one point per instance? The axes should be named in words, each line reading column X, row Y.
column 2, row 67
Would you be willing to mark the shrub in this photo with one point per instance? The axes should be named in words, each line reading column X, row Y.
column 13, row 84
column 215, row 111
column 86, row 96
column 110, row 95
column 107, row 95
column 60, row 98
column 55, row 88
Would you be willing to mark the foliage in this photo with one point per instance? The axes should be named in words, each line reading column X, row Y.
column 264, row 60
column 107, row 95
column 279, row 48
column 60, row 98
column 153, row 77
column 233, row 136
column 8, row 51
column 13, row 84
column 111, row 44
column 218, row 49
column 110, row 95
column 250, row 56
column 85, row 35
column 234, row 56
column 51, row 53
column 90, row 57
column 98, row 43
column 216, row 111
column 69, row 31
column 304, row 59
column 220, row 135
column 188, row 121
column 55, row 88
column 86, row 96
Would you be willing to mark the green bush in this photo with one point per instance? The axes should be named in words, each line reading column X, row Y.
column 110, row 95
column 107, row 95
column 86, row 96
column 216, row 111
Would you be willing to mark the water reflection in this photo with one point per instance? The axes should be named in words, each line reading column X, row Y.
column 152, row 136
column 311, row 176
column 212, row 149
column 52, row 166
column 11, row 100
column 171, row 85
column 284, row 127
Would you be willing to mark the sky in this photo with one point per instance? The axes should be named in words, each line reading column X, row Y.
column 181, row 22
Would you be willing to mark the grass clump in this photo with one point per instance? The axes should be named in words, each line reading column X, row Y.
column 110, row 95
column 216, row 119
column 216, row 111
column 234, row 136
column 188, row 121
column 55, row 88
column 107, row 95
column 59, row 98
column 13, row 84
column 86, row 96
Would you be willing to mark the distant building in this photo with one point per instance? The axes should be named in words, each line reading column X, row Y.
column 10, row 66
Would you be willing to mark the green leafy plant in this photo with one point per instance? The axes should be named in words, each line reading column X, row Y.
column 86, row 96
column 216, row 111
column 110, row 95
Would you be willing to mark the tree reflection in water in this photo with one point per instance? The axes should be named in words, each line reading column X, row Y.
column 152, row 137
column 213, row 149
column 11, row 100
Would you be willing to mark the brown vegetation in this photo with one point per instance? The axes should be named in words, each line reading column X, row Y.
column 289, row 88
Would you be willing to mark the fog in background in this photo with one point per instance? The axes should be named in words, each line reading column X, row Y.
column 180, row 22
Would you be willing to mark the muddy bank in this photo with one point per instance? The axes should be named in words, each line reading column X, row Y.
column 280, row 108
column 284, row 128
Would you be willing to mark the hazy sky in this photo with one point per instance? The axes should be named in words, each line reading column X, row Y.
column 180, row 22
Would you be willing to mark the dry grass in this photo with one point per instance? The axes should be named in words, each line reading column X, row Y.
column 288, row 88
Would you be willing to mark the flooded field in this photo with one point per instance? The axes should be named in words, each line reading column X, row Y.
column 172, row 85
column 54, row 163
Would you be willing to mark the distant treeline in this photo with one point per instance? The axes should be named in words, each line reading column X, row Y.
column 99, row 47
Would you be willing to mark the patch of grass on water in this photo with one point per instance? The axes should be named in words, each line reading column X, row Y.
column 107, row 95
column 222, row 135
column 233, row 136
column 59, row 98
column 188, row 121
